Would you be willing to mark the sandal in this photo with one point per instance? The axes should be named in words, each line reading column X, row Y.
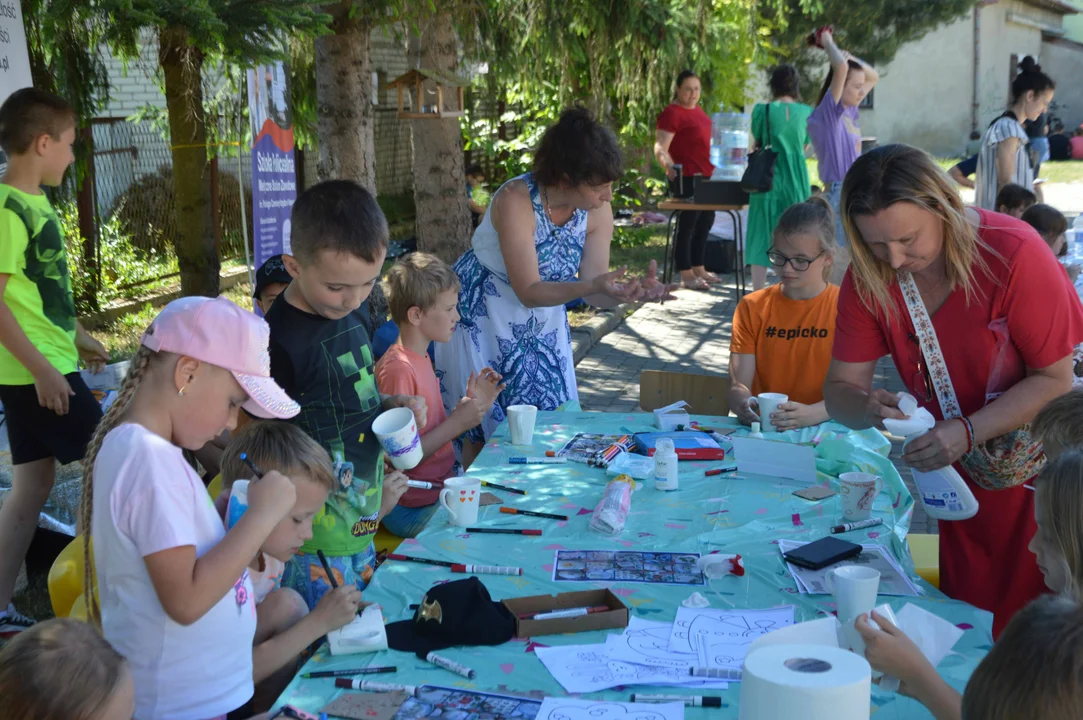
column 696, row 284
column 709, row 277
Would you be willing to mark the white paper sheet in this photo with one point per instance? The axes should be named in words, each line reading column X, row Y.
column 590, row 668
column 571, row 709
column 934, row 635
column 822, row 631
column 646, row 642
column 776, row 459
column 893, row 581
column 720, row 638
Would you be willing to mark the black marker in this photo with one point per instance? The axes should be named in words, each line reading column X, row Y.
column 327, row 569
column 251, row 465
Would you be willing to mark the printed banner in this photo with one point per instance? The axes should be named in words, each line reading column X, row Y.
column 14, row 59
column 274, row 180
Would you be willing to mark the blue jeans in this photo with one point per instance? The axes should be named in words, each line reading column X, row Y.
column 408, row 522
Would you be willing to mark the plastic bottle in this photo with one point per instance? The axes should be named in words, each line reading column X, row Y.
column 665, row 465
column 943, row 492
column 238, row 502
column 755, row 433
column 1075, row 247
column 612, row 512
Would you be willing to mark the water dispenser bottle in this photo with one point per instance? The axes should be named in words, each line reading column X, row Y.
column 729, row 145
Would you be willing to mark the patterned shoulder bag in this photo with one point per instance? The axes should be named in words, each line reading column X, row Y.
column 999, row 463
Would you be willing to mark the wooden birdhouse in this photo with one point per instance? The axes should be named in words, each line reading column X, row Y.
column 429, row 94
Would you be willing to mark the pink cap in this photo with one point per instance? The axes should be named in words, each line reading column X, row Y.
column 218, row 332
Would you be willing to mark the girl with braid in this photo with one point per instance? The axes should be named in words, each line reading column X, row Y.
column 176, row 598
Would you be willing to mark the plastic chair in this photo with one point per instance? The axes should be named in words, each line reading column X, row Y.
column 66, row 578
column 925, row 551
column 705, row 394
column 384, row 540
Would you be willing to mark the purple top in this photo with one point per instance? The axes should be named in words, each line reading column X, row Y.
column 836, row 137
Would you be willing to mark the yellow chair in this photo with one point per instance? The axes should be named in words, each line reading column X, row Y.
column 925, row 550
column 66, row 578
column 215, row 487
column 385, row 540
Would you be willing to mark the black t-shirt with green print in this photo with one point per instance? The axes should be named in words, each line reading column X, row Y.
column 327, row 367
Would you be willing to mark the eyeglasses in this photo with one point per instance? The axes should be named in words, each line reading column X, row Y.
column 799, row 264
column 921, row 378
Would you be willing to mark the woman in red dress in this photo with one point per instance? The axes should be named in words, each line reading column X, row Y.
column 982, row 277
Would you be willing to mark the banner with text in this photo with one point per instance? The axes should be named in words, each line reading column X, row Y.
column 274, row 180
column 14, row 59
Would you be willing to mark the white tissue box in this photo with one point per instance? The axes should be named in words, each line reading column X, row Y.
column 365, row 634
column 669, row 417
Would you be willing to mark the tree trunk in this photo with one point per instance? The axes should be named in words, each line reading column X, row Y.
column 197, row 256
column 344, row 101
column 443, row 217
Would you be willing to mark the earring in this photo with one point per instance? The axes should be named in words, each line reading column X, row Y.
column 181, row 391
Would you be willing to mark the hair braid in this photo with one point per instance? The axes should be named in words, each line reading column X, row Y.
column 137, row 370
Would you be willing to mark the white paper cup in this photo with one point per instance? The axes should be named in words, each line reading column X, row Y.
column 857, row 492
column 521, row 419
column 397, row 432
column 461, row 497
column 767, row 403
column 855, row 588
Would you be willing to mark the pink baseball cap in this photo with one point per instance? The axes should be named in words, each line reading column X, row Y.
column 218, row 332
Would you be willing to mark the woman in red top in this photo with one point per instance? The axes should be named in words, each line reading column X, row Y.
column 683, row 138
column 975, row 270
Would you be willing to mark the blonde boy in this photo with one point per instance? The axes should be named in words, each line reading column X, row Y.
column 423, row 298
column 284, row 627
column 1059, row 425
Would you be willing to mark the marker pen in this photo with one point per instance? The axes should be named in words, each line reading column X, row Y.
column 373, row 686
column 718, row 471
column 327, row 569
column 347, row 673
column 419, row 484
column 427, row 561
column 251, row 465
column 688, row 700
column 486, row 569
column 532, row 513
column 502, row 531
column 570, row 612
column 505, row 488
column 449, row 665
column 847, row 527
column 537, row 460
column 716, row 673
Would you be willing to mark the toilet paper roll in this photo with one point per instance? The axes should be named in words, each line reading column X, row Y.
column 811, row 682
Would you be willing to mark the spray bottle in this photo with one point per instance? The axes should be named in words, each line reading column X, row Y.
column 943, row 492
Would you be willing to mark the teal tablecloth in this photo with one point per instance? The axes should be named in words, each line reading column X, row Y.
column 729, row 513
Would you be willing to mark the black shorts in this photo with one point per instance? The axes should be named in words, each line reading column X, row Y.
column 35, row 432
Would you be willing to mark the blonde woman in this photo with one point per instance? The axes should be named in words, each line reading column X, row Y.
column 998, row 346
column 1058, row 547
column 782, row 334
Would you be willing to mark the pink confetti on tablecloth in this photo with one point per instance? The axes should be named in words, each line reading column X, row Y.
column 554, row 546
column 675, row 526
column 964, row 626
column 627, row 543
column 761, row 511
column 548, row 568
column 569, row 506
column 562, row 523
column 874, row 535
column 584, row 511
column 623, row 592
column 796, row 519
column 507, row 668
column 410, row 541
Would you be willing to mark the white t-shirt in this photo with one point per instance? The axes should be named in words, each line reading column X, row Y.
column 148, row 499
column 987, row 183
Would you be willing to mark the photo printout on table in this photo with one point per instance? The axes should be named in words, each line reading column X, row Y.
column 624, row 566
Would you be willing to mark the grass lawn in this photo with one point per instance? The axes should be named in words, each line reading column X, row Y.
column 1066, row 171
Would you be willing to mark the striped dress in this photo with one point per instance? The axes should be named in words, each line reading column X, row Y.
column 987, row 182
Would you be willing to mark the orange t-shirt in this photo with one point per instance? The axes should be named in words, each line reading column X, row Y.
column 791, row 340
column 404, row 372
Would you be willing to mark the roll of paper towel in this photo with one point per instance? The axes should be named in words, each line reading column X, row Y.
column 811, row 682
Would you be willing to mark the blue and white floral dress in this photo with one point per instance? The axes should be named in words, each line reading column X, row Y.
column 530, row 347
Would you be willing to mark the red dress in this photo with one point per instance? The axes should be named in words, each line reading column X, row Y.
column 984, row 560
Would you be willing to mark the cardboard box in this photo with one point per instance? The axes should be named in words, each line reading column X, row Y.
column 615, row 618
column 669, row 417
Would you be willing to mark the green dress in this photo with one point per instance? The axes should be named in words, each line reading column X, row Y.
column 789, row 136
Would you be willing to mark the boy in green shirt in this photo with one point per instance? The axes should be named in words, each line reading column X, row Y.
column 51, row 414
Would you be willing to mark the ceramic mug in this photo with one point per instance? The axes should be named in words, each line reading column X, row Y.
column 858, row 492
column 855, row 588
column 461, row 497
column 765, row 404
column 397, row 432
column 521, row 419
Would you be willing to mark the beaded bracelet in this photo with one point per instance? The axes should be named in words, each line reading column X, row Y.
column 969, row 433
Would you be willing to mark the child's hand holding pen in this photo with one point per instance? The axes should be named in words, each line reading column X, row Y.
column 337, row 608
column 271, row 495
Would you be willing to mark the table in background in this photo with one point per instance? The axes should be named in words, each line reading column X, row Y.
column 676, row 207
column 732, row 514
